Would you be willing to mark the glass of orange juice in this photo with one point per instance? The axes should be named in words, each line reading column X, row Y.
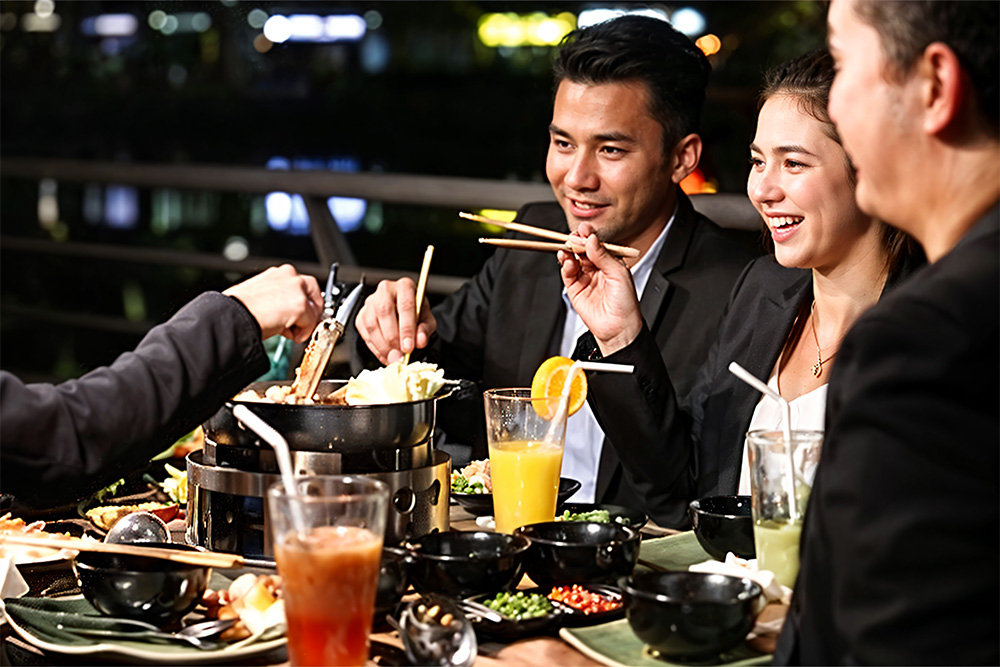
column 525, row 437
column 328, row 546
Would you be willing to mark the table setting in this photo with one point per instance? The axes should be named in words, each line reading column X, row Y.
column 319, row 531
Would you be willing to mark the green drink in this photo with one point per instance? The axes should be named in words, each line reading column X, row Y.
column 778, row 549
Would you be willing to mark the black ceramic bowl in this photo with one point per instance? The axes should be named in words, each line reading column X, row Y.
column 723, row 524
column 463, row 563
column 579, row 552
column 142, row 588
column 393, row 580
column 481, row 504
column 690, row 615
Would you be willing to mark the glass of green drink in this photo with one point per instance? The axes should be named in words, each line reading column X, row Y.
column 781, row 477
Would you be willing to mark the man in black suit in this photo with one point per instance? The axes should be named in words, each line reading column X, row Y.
column 622, row 137
column 899, row 554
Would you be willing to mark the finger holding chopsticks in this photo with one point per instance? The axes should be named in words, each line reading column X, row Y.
column 564, row 241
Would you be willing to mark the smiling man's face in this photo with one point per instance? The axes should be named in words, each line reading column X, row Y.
column 606, row 163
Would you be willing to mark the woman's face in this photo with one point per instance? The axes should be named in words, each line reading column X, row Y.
column 800, row 184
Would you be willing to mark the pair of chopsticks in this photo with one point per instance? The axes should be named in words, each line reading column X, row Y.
column 566, row 241
column 205, row 558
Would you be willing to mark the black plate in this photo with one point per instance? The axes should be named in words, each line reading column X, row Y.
column 493, row 624
column 636, row 518
column 481, row 504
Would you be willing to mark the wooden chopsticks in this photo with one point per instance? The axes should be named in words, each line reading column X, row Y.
column 205, row 558
column 566, row 241
column 425, row 269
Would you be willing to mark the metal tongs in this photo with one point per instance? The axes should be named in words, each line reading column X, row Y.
column 325, row 336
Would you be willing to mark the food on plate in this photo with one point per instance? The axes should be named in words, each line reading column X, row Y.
column 595, row 516
column 395, row 383
column 24, row 554
column 582, row 599
column 473, row 478
column 175, row 485
column 253, row 599
column 106, row 516
column 519, row 606
column 550, row 380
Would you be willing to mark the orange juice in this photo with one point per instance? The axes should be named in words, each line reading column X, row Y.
column 329, row 582
column 525, row 478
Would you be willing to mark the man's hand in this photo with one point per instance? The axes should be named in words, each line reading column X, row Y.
column 283, row 302
column 601, row 290
column 387, row 322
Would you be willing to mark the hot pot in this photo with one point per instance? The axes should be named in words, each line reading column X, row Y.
column 227, row 481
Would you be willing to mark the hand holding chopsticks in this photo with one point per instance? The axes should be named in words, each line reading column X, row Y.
column 565, row 241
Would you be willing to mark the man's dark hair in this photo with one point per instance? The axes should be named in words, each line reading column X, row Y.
column 969, row 28
column 647, row 50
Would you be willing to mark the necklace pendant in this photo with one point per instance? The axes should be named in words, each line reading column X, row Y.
column 817, row 369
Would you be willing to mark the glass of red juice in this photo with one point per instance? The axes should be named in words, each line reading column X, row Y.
column 328, row 546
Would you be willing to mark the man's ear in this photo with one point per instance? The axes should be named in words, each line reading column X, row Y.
column 685, row 157
column 943, row 88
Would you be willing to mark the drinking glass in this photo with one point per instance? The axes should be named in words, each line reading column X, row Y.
column 328, row 546
column 525, row 437
column 781, row 477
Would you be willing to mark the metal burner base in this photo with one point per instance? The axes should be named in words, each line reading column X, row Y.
column 227, row 511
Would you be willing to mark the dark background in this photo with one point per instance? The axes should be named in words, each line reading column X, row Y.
column 440, row 103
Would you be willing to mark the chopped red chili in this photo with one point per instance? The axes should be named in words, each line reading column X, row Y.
column 580, row 598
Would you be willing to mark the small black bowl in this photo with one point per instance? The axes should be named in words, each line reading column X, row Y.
column 723, row 524
column 393, row 580
column 579, row 552
column 618, row 514
column 142, row 588
column 481, row 504
column 463, row 563
column 690, row 615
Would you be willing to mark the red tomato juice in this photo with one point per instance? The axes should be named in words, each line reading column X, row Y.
column 329, row 579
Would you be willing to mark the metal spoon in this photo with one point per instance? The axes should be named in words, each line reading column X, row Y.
column 144, row 634
column 207, row 629
column 138, row 527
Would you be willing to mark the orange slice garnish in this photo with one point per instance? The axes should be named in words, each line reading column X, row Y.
column 549, row 381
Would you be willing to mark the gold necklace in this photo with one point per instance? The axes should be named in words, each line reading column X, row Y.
column 817, row 368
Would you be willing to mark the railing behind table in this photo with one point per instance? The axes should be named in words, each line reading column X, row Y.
column 315, row 187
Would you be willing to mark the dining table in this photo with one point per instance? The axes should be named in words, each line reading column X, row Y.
column 386, row 647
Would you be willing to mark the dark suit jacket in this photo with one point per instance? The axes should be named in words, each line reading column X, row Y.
column 499, row 327
column 59, row 442
column 691, row 446
column 901, row 544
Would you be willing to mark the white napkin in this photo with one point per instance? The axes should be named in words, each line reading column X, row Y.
column 12, row 584
column 738, row 567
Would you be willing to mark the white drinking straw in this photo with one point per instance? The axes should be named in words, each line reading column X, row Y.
column 281, row 453
column 577, row 367
column 786, row 427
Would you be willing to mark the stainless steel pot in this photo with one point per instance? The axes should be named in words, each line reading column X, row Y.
column 330, row 428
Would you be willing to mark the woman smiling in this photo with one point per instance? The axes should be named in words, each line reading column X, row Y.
column 785, row 320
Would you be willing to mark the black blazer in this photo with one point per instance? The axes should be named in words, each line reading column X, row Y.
column 675, row 446
column 499, row 327
column 60, row 442
column 901, row 543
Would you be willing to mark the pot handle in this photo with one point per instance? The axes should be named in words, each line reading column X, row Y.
column 606, row 553
column 403, row 552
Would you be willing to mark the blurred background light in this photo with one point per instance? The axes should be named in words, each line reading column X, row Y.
column 156, row 19
column 689, row 21
column 257, row 18
column 594, row 15
column 236, row 249
column 36, row 23
column 373, row 19
column 514, row 30
column 278, row 29
column 709, row 44
column 110, row 25
column 44, row 8
column 121, row 206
